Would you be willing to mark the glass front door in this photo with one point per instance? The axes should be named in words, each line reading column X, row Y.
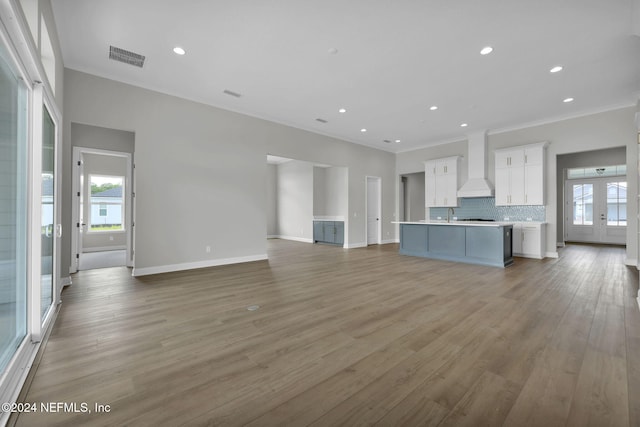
column 596, row 210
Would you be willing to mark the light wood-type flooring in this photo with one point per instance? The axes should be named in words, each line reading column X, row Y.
column 349, row 337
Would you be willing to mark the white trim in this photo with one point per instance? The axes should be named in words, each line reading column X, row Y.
column 15, row 374
column 199, row 264
column 104, row 248
column 76, row 246
column 378, row 181
column 295, row 239
column 387, row 241
column 65, row 281
column 631, row 262
column 560, row 244
column 35, row 211
column 355, row 245
column 551, row 255
column 272, row 236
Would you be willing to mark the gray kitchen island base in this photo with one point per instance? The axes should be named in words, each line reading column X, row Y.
column 469, row 243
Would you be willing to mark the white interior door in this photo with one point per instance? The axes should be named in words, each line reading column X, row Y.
column 89, row 211
column 373, row 210
column 596, row 210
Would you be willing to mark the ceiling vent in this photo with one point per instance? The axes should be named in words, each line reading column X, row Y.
column 231, row 93
column 126, row 56
column 321, row 120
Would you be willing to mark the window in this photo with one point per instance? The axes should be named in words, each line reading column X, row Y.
column 583, row 204
column 595, row 172
column 617, row 204
column 106, row 212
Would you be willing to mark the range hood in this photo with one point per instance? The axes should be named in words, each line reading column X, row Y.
column 477, row 184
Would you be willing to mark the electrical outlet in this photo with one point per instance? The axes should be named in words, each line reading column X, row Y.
column 207, row 249
column 111, row 238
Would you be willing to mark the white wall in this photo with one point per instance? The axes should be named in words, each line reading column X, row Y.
column 272, row 200
column 609, row 129
column 211, row 165
column 295, row 200
column 330, row 186
column 336, row 197
column 319, row 190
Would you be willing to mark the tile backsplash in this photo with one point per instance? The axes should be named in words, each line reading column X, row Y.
column 485, row 208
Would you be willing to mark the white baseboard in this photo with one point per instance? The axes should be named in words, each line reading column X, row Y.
column 199, row 264
column 631, row 262
column 560, row 245
column 355, row 245
column 272, row 236
column 295, row 239
column 384, row 242
column 551, row 255
column 65, row 281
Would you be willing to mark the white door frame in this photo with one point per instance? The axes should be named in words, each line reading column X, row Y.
column 368, row 181
column 76, row 243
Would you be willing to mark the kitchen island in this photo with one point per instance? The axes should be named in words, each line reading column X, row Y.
column 485, row 243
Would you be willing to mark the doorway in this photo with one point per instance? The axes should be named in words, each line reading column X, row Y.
column 102, row 209
column 374, row 208
column 596, row 210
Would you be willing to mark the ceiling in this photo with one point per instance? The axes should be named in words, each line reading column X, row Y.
column 385, row 62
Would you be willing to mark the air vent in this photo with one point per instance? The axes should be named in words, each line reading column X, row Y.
column 321, row 120
column 230, row 93
column 387, row 141
column 125, row 56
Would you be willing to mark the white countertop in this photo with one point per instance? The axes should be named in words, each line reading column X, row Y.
column 464, row 223
column 328, row 218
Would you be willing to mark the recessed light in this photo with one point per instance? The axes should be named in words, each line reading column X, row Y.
column 363, row 130
column 556, row 69
column 567, row 100
column 178, row 50
column 333, row 51
column 342, row 110
column 486, row 50
column 464, row 125
column 397, row 141
column 433, row 107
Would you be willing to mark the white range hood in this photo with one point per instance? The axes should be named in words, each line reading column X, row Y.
column 477, row 184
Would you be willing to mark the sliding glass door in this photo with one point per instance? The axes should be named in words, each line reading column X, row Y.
column 13, row 209
column 47, row 231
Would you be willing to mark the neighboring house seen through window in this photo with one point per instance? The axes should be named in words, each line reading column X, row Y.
column 106, row 211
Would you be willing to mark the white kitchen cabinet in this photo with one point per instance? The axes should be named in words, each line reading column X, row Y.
column 529, row 239
column 520, row 175
column 441, row 182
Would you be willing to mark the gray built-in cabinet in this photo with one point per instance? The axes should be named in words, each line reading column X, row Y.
column 331, row 232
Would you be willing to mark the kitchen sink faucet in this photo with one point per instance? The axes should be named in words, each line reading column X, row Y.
column 450, row 212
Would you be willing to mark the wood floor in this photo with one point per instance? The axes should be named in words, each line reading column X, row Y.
column 350, row 337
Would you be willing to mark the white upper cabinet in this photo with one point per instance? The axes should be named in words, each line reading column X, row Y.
column 441, row 182
column 520, row 175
